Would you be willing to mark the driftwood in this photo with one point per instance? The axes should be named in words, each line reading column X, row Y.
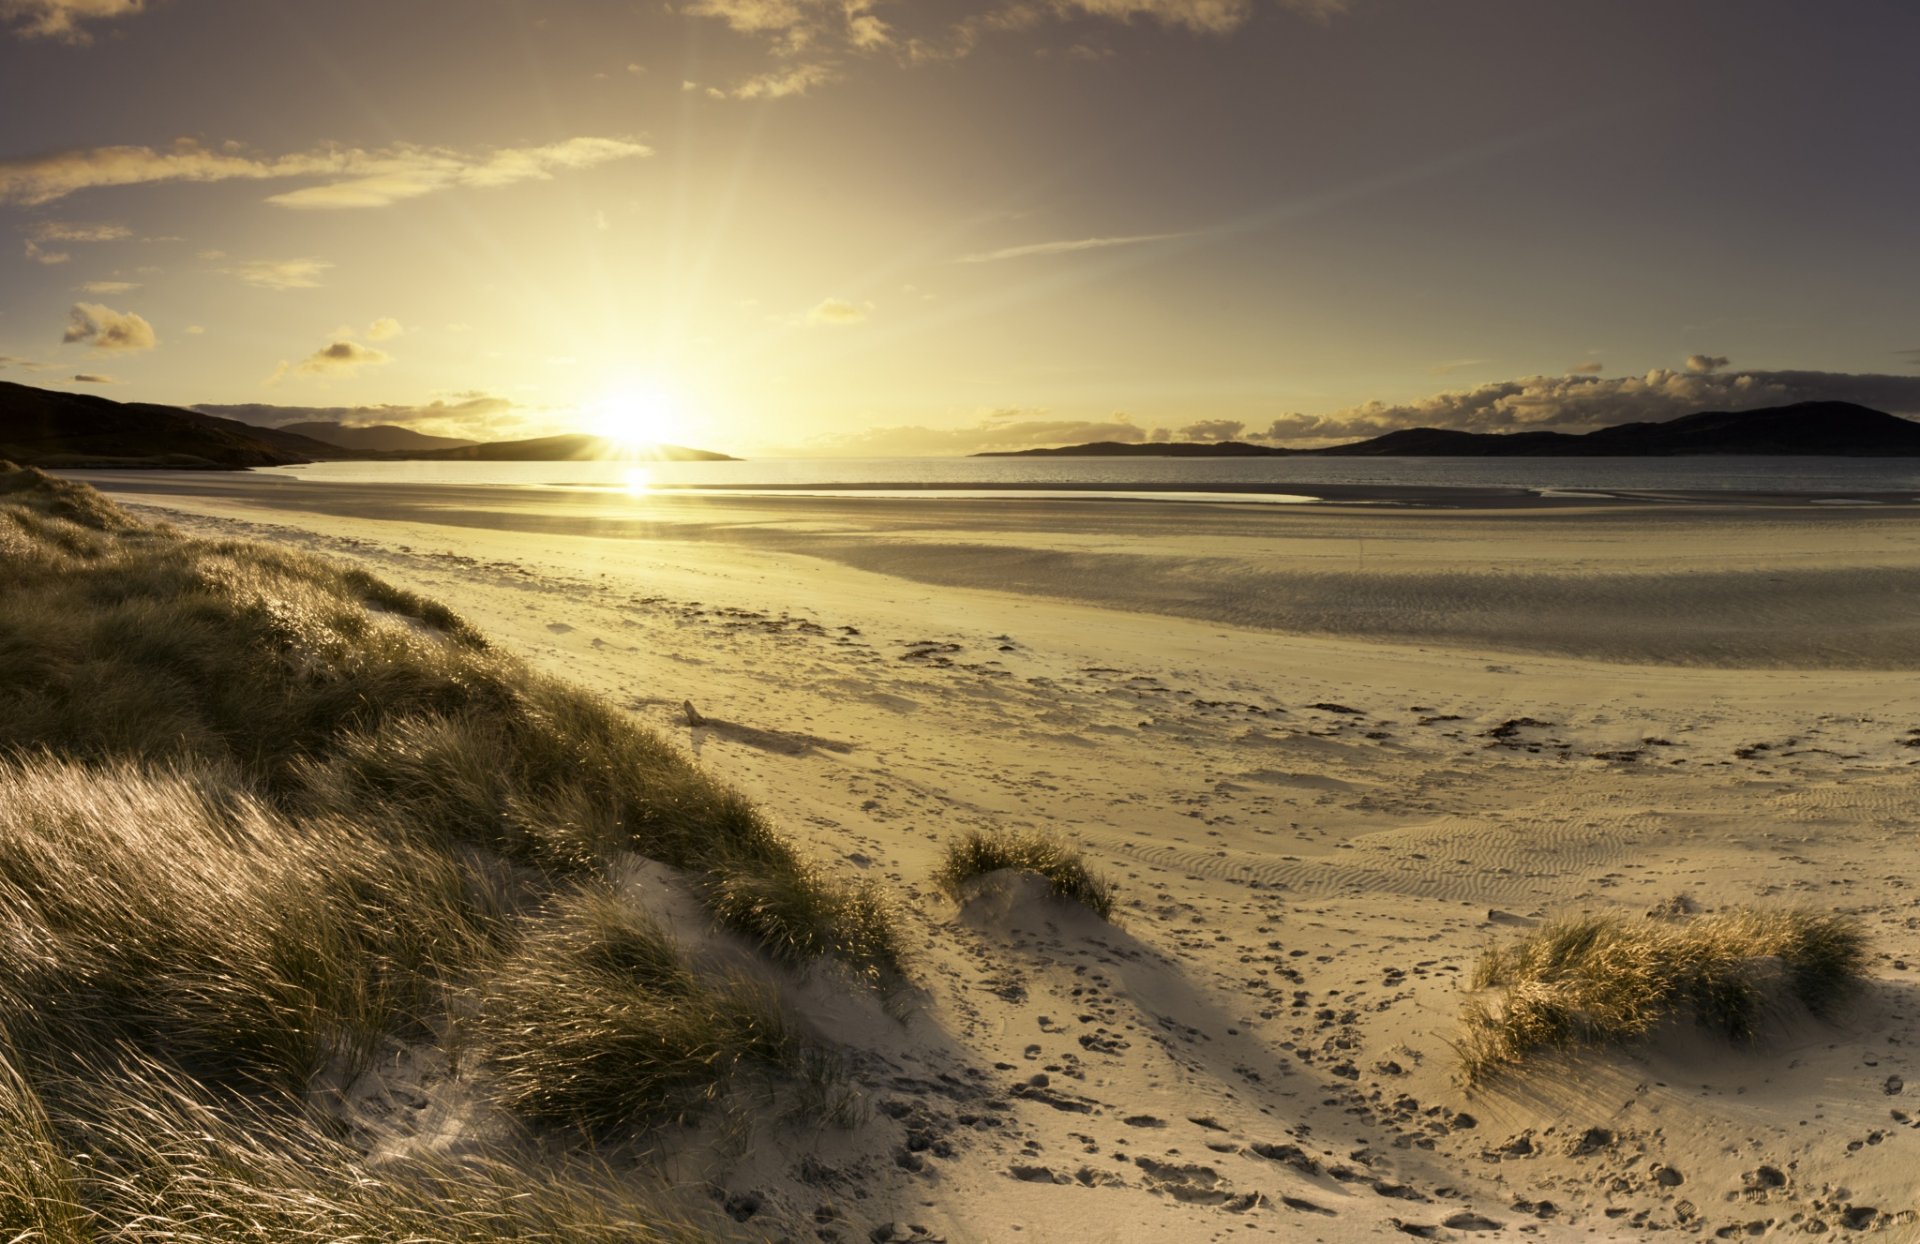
column 693, row 714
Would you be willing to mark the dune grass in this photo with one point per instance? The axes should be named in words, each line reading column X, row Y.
column 336, row 694
column 597, row 1023
column 168, row 1162
column 977, row 853
column 1600, row 980
column 263, row 816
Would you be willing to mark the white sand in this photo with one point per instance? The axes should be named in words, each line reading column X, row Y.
column 1260, row 1049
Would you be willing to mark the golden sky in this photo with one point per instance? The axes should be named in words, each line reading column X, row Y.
column 870, row 227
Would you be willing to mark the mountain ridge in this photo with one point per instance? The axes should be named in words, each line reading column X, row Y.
column 1812, row 429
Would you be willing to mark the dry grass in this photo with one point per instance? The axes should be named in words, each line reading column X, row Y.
column 261, row 816
column 597, row 1023
column 978, row 853
column 335, row 694
column 1602, row 980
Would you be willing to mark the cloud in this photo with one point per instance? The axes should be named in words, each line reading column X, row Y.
column 349, row 177
column 1701, row 364
column 337, row 358
column 1589, row 368
column 38, row 254
column 280, row 273
column 108, row 331
column 91, row 378
column 836, row 311
column 384, row 328
column 781, row 83
column 73, row 231
column 1006, row 428
column 1213, row 430
column 110, row 287
column 1912, row 356
column 1066, row 247
column 827, row 29
column 1580, row 403
column 62, row 19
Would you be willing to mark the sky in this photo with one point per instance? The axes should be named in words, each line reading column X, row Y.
column 876, row 227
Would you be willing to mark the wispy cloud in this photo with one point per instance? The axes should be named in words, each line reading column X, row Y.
column 93, row 378
column 836, row 311
column 280, row 273
column 108, row 331
column 349, row 177
column 781, row 83
column 1069, row 246
column 109, row 287
column 76, row 231
column 64, row 19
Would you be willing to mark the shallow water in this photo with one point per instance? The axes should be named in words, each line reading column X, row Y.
column 1838, row 478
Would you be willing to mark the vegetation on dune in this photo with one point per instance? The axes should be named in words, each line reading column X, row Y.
column 977, row 853
column 596, row 1022
column 1600, row 980
column 337, row 694
column 262, row 816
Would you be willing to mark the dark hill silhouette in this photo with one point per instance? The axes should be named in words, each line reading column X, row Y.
column 377, row 438
column 1151, row 449
column 1813, row 429
column 572, row 448
column 45, row 427
column 50, row 428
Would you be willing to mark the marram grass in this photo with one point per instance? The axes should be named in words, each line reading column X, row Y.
column 1602, row 980
column 977, row 853
column 263, row 816
column 332, row 693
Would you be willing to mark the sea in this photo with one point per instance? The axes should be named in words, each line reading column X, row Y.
column 1238, row 480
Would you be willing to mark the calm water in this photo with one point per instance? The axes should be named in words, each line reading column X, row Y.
column 1286, row 479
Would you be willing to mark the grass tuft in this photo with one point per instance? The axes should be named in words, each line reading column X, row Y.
column 978, row 853
column 1599, row 980
column 597, row 1023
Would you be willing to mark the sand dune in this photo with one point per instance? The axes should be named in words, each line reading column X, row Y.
column 1321, row 784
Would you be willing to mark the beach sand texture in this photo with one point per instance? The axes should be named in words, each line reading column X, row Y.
column 1327, row 755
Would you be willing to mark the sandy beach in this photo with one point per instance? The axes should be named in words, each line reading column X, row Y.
column 1328, row 755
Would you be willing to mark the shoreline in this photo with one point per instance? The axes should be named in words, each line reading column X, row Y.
column 1727, row 584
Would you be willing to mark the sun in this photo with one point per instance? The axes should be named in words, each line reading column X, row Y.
column 638, row 416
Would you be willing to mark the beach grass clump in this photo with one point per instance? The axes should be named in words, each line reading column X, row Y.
column 597, row 1023
column 1603, row 980
column 148, row 1155
column 333, row 693
column 173, row 913
column 977, row 852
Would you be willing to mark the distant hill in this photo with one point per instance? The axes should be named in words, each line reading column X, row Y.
column 574, row 448
column 380, row 438
column 1152, row 449
column 1812, row 429
column 45, row 427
